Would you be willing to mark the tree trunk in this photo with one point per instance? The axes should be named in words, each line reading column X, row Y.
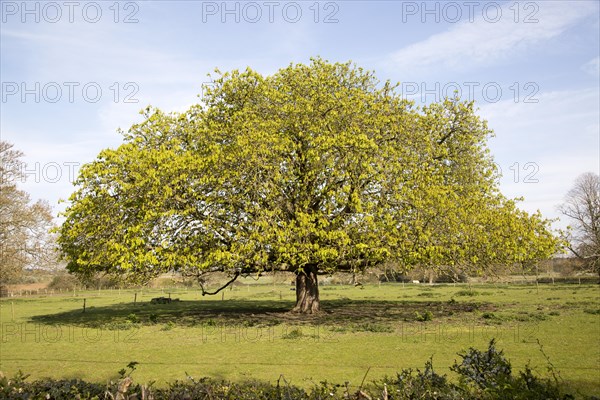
column 307, row 291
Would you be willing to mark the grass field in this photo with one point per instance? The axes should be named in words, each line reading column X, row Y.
column 247, row 334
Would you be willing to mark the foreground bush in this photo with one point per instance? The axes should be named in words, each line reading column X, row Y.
column 482, row 375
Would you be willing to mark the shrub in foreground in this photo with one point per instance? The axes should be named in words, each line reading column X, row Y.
column 483, row 375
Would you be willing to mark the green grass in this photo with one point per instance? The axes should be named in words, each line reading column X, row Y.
column 248, row 333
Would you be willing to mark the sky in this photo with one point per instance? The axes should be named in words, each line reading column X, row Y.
column 75, row 72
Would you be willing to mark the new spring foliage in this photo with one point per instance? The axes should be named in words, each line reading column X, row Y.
column 317, row 164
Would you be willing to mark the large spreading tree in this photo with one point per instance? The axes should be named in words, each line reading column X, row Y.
column 314, row 169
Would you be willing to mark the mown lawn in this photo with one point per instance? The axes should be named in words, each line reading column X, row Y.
column 247, row 333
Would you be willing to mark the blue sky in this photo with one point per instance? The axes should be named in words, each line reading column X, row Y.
column 72, row 73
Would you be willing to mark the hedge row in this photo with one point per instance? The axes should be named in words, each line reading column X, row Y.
column 482, row 375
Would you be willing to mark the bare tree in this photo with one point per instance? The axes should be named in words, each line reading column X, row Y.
column 582, row 206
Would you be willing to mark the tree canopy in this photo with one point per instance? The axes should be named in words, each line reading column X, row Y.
column 24, row 226
column 314, row 169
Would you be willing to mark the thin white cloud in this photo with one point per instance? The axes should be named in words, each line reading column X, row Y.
column 592, row 67
column 559, row 135
column 101, row 53
column 482, row 42
column 552, row 109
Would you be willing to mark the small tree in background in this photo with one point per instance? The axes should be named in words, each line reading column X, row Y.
column 582, row 207
column 25, row 237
